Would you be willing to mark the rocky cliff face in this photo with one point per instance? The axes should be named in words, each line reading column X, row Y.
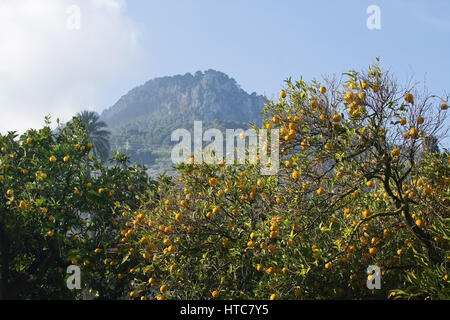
column 142, row 120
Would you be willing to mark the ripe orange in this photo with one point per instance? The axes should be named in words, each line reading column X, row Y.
column 409, row 98
column 413, row 132
column 22, row 204
column 402, row 121
column 367, row 213
column 163, row 288
column 320, row 191
column 337, row 117
column 369, row 183
column 364, row 85
column 395, row 152
column 66, row 159
column 29, row 140
column 444, row 106
column 420, row 120
column 373, row 250
column 52, row 159
column 419, row 222
column 283, row 94
column 178, row 217
column 328, row 265
column 323, row 90
column 275, row 120
column 295, row 175
column 215, row 294
column 348, row 96
column 146, row 255
column 274, row 297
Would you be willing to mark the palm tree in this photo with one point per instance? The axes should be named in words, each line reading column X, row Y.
column 98, row 135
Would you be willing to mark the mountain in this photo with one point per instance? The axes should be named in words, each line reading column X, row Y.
column 142, row 121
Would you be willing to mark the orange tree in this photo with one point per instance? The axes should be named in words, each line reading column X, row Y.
column 57, row 205
column 361, row 183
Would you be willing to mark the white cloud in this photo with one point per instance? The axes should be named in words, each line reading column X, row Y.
column 47, row 68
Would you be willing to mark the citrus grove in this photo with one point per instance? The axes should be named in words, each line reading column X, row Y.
column 57, row 205
column 361, row 182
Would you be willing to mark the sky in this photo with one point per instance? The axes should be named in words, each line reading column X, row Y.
column 59, row 57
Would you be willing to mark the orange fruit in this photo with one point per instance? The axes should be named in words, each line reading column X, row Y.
column 367, row 213
column 283, row 94
column 409, row 98
column 323, row 90
column 413, row 132
column 420, row 120
column 395, row 152
column 337, row 117
column 213, row 181
column 163, row 288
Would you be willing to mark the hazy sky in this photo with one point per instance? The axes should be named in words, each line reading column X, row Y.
column 48, row 67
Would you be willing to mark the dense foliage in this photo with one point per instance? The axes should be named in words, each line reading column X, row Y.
column 359, row 185
column 57, row 205
column 362, row 183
